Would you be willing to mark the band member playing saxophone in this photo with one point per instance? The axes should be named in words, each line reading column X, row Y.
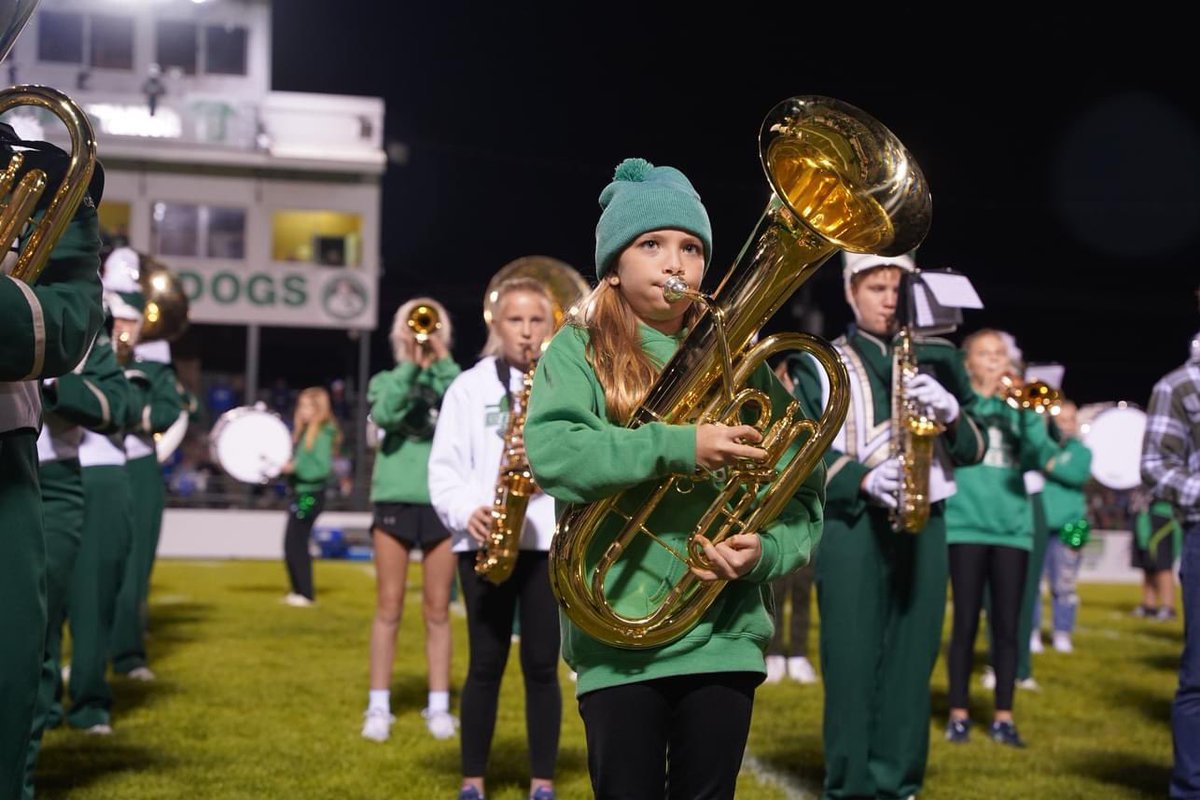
column 472, row 441
column 881, row 586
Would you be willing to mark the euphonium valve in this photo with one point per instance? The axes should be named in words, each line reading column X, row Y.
column 839, row 180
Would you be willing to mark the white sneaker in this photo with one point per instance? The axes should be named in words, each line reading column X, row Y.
column 1062, row 642
column 377, row 725
column 99, row 729
column 776, row 668
column 1030, row 685
column 297, row 600
column 988, row 678
column 441, row 724
column 141, row 674
column 1035, row 642
column 800, row 669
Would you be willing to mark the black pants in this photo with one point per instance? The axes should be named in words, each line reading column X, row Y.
column 302, row 513
column 490, row 613
column 681, row 737
column 975, row 568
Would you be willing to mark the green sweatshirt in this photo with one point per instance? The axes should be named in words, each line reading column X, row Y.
column 579, row 456
column 990, row 505
column 1066, row 475
column 404, row 404
column 312, row 466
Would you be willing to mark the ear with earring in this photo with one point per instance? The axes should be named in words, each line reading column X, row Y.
column 613, row 280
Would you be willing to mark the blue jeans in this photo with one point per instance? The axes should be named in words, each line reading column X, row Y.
column 1062, row 574
column 1185, row 712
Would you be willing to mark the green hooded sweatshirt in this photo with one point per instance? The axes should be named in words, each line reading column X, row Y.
column 579, row 456
column 312, row 466
column 1066, row 475
column 990, row 505
column 404, row 404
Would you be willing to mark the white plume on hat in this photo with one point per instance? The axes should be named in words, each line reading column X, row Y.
column 121, row 270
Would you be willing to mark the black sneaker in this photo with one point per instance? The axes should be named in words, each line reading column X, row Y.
column 1006, row 733
column 958, row 731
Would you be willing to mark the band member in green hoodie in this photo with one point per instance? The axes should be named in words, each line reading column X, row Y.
column 404, row 407
column 45, row 331
column 882, row 594
column 316, row 438
column 989, row 529
column 679, row 712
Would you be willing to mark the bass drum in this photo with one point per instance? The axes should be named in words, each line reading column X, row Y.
column 251, row 443
column 1114, row 432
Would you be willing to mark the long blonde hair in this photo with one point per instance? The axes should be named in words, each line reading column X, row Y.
column 319, row 396
column 614, row 349
column 402, row 340
column 494, row 346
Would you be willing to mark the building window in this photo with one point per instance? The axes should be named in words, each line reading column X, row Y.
column 111, row 42
column 197, row 231
column 114, row 222
column 224, row 50
column 175, row 45
column 60, row 37
column 331, row 238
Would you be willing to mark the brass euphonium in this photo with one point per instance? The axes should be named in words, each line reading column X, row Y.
column 23, row 185
column 840, row 180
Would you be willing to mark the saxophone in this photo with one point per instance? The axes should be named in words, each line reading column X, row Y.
column 913, row 434
column 495, row 560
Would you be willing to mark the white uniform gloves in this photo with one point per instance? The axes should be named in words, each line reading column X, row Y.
column 925, row 390
column 882, row 483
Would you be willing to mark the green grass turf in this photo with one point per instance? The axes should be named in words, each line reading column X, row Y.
column 260, row 700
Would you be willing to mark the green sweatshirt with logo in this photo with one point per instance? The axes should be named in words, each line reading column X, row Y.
column 312, row 466
column 404, row 404
column 1066, row 475
column 579, row 456
column 990, row 505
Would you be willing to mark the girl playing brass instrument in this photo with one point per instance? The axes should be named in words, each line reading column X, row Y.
column 464, row 463
column 404, row 407
column 677, row 712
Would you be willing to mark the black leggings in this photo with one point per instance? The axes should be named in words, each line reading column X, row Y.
column 682, row 737
column 1001, row 570
column 302, row 513
column 490, row 612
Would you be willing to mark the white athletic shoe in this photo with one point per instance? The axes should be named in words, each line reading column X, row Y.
column 1062, row 642
column 987, row 678
column 99, row 729
column 1029, row 685
column 141, row 674
column 441, row 724
column 297, row 600
column 1035, row 642
column 377, row 725
column 776, row 668
column 800, row 669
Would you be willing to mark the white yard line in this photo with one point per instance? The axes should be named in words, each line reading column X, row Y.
column 791, row 788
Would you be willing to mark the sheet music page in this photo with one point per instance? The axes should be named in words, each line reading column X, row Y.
column 1050, row 374
column 951, row 289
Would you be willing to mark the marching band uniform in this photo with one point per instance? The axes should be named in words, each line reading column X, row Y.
column 162, row 400
column 45, row 331
column 100, row 565
column 93, row 396
column 881, row 594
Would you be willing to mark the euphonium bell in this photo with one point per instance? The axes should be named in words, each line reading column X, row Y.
column 839, row 180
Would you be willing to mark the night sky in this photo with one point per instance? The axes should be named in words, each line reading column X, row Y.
column 1063, row 154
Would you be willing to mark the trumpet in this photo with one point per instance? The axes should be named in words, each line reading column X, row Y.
column 1039, row 396
column 839, row 180
column 424, row 322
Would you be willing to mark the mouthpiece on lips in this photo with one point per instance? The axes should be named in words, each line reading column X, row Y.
column 674, row 288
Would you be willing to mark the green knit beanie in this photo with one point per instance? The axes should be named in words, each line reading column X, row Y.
column 641, row 198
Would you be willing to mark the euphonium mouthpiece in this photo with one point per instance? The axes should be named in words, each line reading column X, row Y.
column 675, row 288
